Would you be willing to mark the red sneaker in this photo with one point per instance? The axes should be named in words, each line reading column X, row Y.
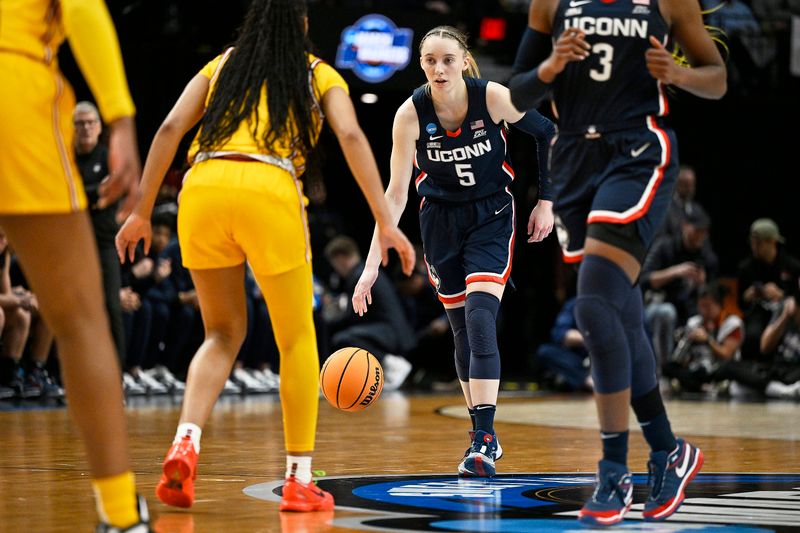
column 304, row 498
column 176, row 486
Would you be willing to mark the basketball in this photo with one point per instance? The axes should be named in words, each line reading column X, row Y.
column 351, row 379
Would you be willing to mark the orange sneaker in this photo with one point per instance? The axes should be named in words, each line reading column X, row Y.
column 304, row 498
column 176, row 486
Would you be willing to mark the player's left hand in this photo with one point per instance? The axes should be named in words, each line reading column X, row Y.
column 540, row 223
column 661, row 63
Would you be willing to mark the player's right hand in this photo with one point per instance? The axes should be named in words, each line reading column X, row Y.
column 570, row 46
column 132, row 231
column 392, row 237
column 362, row 295
column 125, row 168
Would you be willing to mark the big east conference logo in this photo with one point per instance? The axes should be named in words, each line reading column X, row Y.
column 732, row 503
column 374, row 48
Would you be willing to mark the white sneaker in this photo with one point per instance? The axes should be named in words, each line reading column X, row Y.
column 152, row 385
column 231, row 388
column 248, row 382
column 776, row 389
column 395, row 371
column 167, row 378
column 267, row 377
column 131, row 387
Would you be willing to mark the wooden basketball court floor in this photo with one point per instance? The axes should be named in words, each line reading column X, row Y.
column 392, row 467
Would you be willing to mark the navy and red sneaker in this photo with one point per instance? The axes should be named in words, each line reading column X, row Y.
column 668, row 475
column 479, row 461
column 612, row 496
column 498, row 453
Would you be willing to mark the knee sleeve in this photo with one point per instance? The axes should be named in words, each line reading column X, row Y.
column 603, row 291
column 458, row 323
column 643, row 359
column 481, row 313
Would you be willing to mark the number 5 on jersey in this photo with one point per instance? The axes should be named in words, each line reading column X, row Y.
column 464, row 171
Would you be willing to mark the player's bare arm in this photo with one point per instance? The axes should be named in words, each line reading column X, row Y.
column 708, row 76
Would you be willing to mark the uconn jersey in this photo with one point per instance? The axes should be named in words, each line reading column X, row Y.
column 615, row 73
column 462, row 165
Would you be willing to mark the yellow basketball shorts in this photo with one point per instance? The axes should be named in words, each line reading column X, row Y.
column 232, row 211
column 37, row 165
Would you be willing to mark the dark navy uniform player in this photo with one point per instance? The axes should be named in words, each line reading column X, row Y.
column 450, row 137
column 605, row 66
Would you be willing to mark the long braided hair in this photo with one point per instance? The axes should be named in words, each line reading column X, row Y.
column 270, row 52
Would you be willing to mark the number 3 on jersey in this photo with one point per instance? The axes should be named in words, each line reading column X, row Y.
column 464, row 171
column 606, row 53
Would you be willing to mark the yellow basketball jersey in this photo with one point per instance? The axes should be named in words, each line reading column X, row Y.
column 323, row 78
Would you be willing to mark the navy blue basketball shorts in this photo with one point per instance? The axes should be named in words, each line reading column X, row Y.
column 616, row 187
column 467, row 242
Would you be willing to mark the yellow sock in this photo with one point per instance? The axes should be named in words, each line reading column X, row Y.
column 115, row 497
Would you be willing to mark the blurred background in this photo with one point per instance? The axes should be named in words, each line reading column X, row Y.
column 741, row 147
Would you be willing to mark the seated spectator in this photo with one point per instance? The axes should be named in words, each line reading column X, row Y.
column 765, row 279
column 184, row 334
column 781, row 338
column 384, row 331
column 41, row 370
column 17, row 306
column 148, row 277
column 673, row 271
column 564, row 361
column 709, row 339
column 137, row 319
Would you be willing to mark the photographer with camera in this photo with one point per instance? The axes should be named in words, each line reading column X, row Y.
column 777, row 372
column 709, row 339
column 765, row 279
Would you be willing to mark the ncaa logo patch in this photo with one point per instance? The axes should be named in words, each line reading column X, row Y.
column 374, row 48
column 717, row 502
column 430, row 128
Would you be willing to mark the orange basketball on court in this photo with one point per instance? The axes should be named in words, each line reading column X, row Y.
column 351, row 379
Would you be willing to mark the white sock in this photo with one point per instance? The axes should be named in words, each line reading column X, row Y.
column 193, row 431
column 300, row 466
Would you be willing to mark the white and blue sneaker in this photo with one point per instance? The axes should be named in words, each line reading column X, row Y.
column 479, row 459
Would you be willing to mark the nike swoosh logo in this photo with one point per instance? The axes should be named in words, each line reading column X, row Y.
column 638, row 151
column 501, row 209
column 573, row 3
column 437, row 137
column 680, row 471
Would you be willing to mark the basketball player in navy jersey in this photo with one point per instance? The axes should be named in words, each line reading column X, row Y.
column 450, row 135
column 605, row 66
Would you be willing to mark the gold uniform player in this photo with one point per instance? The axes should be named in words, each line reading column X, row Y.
column 260, row 108
column 42, row 209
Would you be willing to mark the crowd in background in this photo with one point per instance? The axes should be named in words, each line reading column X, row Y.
column 735, row 334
